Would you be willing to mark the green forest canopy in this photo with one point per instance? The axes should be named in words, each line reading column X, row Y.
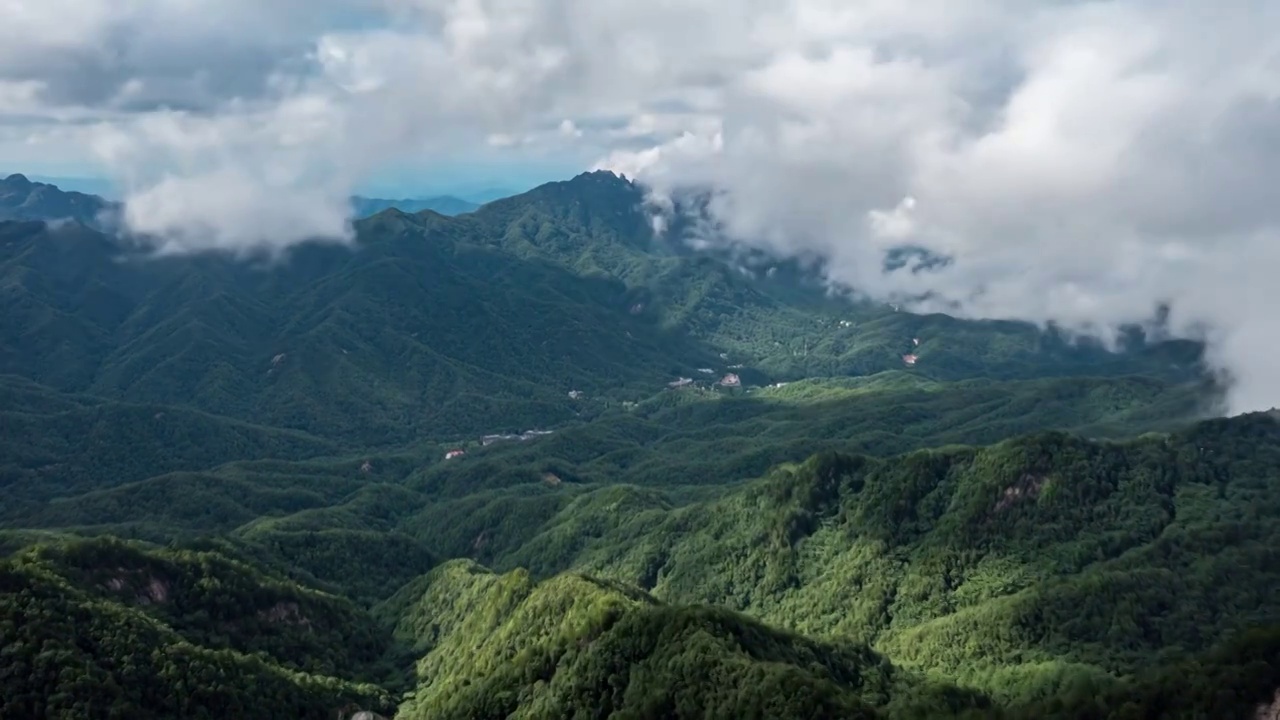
column 226, row 492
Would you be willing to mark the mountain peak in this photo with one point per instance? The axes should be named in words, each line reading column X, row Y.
column 17, row 180
column 600, row 190
column 22, row 199
column 601, row 176
column 595, row 183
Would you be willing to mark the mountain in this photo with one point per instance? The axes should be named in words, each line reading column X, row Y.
column 422, row 331
column 572, row 646
column 1004, row 568
column 446, row 327
column 22, row 199
column 1042, row 577
column 535, row 461
column 445, row 205
column 785, row 323
column 102, row 628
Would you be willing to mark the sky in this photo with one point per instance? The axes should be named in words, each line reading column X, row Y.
column 1080, row 162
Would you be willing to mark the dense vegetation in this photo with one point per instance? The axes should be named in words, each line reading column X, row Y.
column 363, row 207
column 444, row 327
column 104, row 629
column 226, row 491
column 571, row 646
column 1001, row 567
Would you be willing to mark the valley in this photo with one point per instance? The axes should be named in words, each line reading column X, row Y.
column 454, row 470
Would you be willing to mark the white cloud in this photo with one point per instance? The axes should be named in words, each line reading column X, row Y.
column 569, row 129
column 1081, row 162
column 1127, row 162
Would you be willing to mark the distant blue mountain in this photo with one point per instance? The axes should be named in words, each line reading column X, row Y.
column 22, row 199
column 445, row 205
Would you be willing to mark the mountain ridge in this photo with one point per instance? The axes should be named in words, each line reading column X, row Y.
column 512, row 644
column 22, row 199
column 25, row 199
column 641, row 316
column 363, row 207
column 535, row 460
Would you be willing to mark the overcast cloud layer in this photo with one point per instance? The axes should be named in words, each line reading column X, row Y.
column 1080, row 161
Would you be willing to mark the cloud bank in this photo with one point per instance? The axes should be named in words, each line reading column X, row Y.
column 1081, row 162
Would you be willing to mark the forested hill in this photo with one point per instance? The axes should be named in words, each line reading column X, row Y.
column 1045, row 576
column 440, row 327
column 532, row 461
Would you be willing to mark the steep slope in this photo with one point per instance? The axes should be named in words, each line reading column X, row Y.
column 62, row 297
column 22, row 199
column 105, row 629
column 1014, row 568
column 503, row 647
column 291, row 419
column 444, row 327
column 772, row 315
column 1058, row 577
column 418, row 332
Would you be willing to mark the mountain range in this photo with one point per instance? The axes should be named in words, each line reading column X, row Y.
column 528, row 459
column 443, row 204
column 24, row 199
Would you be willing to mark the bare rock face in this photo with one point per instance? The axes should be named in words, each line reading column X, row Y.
column 153, row 591
column 1028, row 487
column 287, row 613
column 1269, row 711
column 353, row 712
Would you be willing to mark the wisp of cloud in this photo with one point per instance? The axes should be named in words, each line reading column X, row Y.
column 1082, row 163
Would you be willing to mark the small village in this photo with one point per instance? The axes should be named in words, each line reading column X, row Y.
column 733, row 380
column 727, row 380
column 488, row 440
